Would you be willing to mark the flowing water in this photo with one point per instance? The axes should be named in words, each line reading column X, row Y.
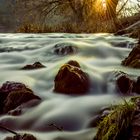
column 99, row 55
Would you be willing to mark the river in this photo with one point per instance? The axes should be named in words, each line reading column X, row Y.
column 99, row 55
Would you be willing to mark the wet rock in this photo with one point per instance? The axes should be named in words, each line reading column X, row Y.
column 19, row 97
column 36, row 65
column 116, row 125
column 15, row 112
column 71, row 79
column 99, row 117
column 8, row 87
column 21, row 137
column 133, row 60
column 136, row 87
column 64, row 49
column 13, row 94
column 73, row 63
column 135, row 123
column 125, row 84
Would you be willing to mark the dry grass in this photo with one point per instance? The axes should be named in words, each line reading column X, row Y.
column 92, row 26
column 99, row 26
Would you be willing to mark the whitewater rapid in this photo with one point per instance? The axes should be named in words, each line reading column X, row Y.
column 99, row 55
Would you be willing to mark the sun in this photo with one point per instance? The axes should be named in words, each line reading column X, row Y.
column 100, row 6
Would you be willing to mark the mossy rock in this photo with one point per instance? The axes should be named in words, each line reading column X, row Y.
column 8, row 87
column 13, row 94
column 70, row 79
column 117, row 125
column 16, row 98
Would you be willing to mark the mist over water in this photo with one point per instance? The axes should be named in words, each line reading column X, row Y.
column 99, row 55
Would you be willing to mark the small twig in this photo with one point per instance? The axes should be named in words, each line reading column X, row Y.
column 55, row 126
column 11, row 131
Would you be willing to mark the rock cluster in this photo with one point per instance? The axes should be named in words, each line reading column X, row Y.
column 70, row 79
column 128, row 86
column 36, row 65
column 133, row 59
column 13, row 94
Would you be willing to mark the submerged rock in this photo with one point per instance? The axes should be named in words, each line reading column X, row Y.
column 13, row 94
column 64, row 49
column 21, row 137
column 133, row 59
column 71, row 79
column 36, row 65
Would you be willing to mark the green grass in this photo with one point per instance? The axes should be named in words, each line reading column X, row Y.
column 116, row 125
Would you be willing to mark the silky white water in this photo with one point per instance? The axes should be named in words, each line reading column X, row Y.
column 99, row 55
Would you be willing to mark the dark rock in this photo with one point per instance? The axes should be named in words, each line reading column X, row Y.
column 21, row 137
column 17, row 111
column 73, row 63
column 19, row 97
column 64, row 49
column 136, row 87
column 133, row 60
column 98, row 118
column 71, row 79
column 125, row 84
column 36, row 65
column 135, row 124
column 8, row 87
column 13, row 94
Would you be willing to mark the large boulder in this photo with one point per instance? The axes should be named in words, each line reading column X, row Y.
column 13, row 94
column 70, row 79
column 133, row 59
